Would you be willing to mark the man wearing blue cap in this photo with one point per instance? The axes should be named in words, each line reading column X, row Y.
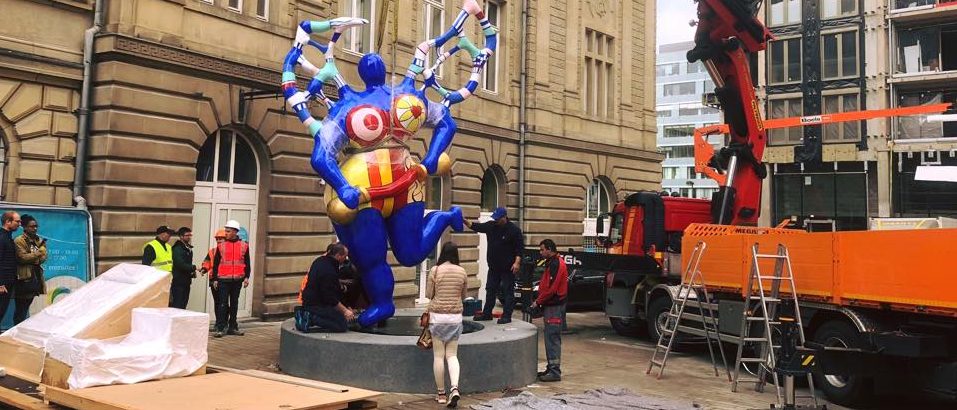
column 505, row 244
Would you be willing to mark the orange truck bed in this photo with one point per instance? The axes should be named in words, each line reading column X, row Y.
column 903, row 270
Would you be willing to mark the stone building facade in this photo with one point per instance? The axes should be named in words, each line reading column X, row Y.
column 187, row 128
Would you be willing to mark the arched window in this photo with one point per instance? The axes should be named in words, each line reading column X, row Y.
column 227, row 158
column 492, row 181
column 599, row 199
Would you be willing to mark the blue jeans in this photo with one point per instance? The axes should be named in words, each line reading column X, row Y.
column 500, row 285
column 552, row 315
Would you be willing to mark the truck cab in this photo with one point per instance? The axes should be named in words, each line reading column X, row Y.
column 643, row 248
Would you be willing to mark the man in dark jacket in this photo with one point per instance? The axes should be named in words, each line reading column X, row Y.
column 8, row 258
column 321, row 295
column 552, row 297
column 505, row 244
column 183, row 269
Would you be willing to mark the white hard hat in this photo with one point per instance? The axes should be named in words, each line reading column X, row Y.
column 232, row 223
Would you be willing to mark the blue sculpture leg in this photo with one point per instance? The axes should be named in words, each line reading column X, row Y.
column 413, row 237
column 366, row 239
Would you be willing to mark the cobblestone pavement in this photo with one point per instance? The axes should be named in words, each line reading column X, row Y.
column 593, row 356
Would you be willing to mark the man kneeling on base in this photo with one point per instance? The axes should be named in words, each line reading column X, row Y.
column 320, row 295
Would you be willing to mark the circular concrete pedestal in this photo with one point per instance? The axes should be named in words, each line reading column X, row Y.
column 492, row 358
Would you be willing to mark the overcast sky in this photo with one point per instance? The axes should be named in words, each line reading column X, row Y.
column 673, row 17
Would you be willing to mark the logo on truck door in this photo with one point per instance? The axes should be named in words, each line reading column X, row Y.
column 572, row 260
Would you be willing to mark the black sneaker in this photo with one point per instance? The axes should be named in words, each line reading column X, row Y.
column 542, row 373
column 504, row 321
column 219, row 333
column 550, row 377
column 235, row 332
column 481, row 318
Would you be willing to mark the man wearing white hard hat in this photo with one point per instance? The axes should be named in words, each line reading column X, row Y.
column 230, row 275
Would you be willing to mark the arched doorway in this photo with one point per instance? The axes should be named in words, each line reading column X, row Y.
column 227, row 187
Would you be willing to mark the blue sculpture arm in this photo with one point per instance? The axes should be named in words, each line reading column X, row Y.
column 329, row 140
column 441, row 119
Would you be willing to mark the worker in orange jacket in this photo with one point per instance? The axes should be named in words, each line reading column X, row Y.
column 208, row 267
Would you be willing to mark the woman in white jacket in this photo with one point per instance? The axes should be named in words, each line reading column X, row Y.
column 447, row 284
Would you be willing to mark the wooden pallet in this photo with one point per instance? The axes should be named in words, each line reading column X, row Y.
column 232, row 391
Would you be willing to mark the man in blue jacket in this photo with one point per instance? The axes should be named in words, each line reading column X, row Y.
column 505, row 244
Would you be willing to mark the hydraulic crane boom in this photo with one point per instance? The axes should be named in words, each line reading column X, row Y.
column 727, row 29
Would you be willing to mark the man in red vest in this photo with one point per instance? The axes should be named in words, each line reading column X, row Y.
column 552, row 297
column 230, row 275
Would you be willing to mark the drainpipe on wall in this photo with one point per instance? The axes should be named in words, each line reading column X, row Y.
column 522, row 119
column 83, row 132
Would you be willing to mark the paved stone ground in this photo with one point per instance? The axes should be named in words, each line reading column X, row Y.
column 593, row 356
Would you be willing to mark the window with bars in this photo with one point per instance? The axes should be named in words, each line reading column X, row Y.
column 493, row 10
column 360, row 39
column 784, row 108
column 843, row 131
column 839, row 55
column 675, row 131
column 784, row 61
column 599, row 81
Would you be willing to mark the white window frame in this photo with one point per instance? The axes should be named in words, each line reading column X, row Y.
column 350, row 10
column 840, row 54
column 785, row 17
column 784, row 64
column 837, row 7
column 490, row 83
column 431, row 5
column 237, row 9
column 265, row 12
column 207, row 1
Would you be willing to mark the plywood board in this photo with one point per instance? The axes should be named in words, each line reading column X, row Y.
column 117, row 322
column 21, row 359
column 232, row 391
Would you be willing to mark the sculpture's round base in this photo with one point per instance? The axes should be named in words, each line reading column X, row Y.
column 493, row 357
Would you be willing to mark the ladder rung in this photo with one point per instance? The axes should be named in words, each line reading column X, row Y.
column 657, row 363
column 766, row 299
column 770, row 255
column 755, row 339
column 761, row 319
column 752, row 360
column 773, row 277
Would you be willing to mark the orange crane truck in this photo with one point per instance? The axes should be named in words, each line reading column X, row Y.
column 886, row 299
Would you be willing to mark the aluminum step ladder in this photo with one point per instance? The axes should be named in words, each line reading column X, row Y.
column 692, row 285
column 761, row 305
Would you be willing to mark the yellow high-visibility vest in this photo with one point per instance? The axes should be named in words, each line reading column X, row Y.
column 164, row 256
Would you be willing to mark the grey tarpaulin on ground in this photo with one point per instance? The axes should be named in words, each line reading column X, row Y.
column 605, row 398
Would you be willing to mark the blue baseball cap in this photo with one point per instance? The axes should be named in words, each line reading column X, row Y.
column 499, row 213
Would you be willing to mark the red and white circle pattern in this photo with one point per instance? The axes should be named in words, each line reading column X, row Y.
column 366, row 125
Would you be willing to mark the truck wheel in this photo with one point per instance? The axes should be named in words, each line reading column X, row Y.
column 626, row 326
column 658, row 311
column 843, row 390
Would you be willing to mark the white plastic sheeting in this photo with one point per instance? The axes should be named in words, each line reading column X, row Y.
column 80, row 310
column 163, row 343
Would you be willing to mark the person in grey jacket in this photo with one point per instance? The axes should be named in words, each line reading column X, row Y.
column 446, row 287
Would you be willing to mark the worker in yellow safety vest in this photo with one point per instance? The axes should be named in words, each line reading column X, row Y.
column 158, row 253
